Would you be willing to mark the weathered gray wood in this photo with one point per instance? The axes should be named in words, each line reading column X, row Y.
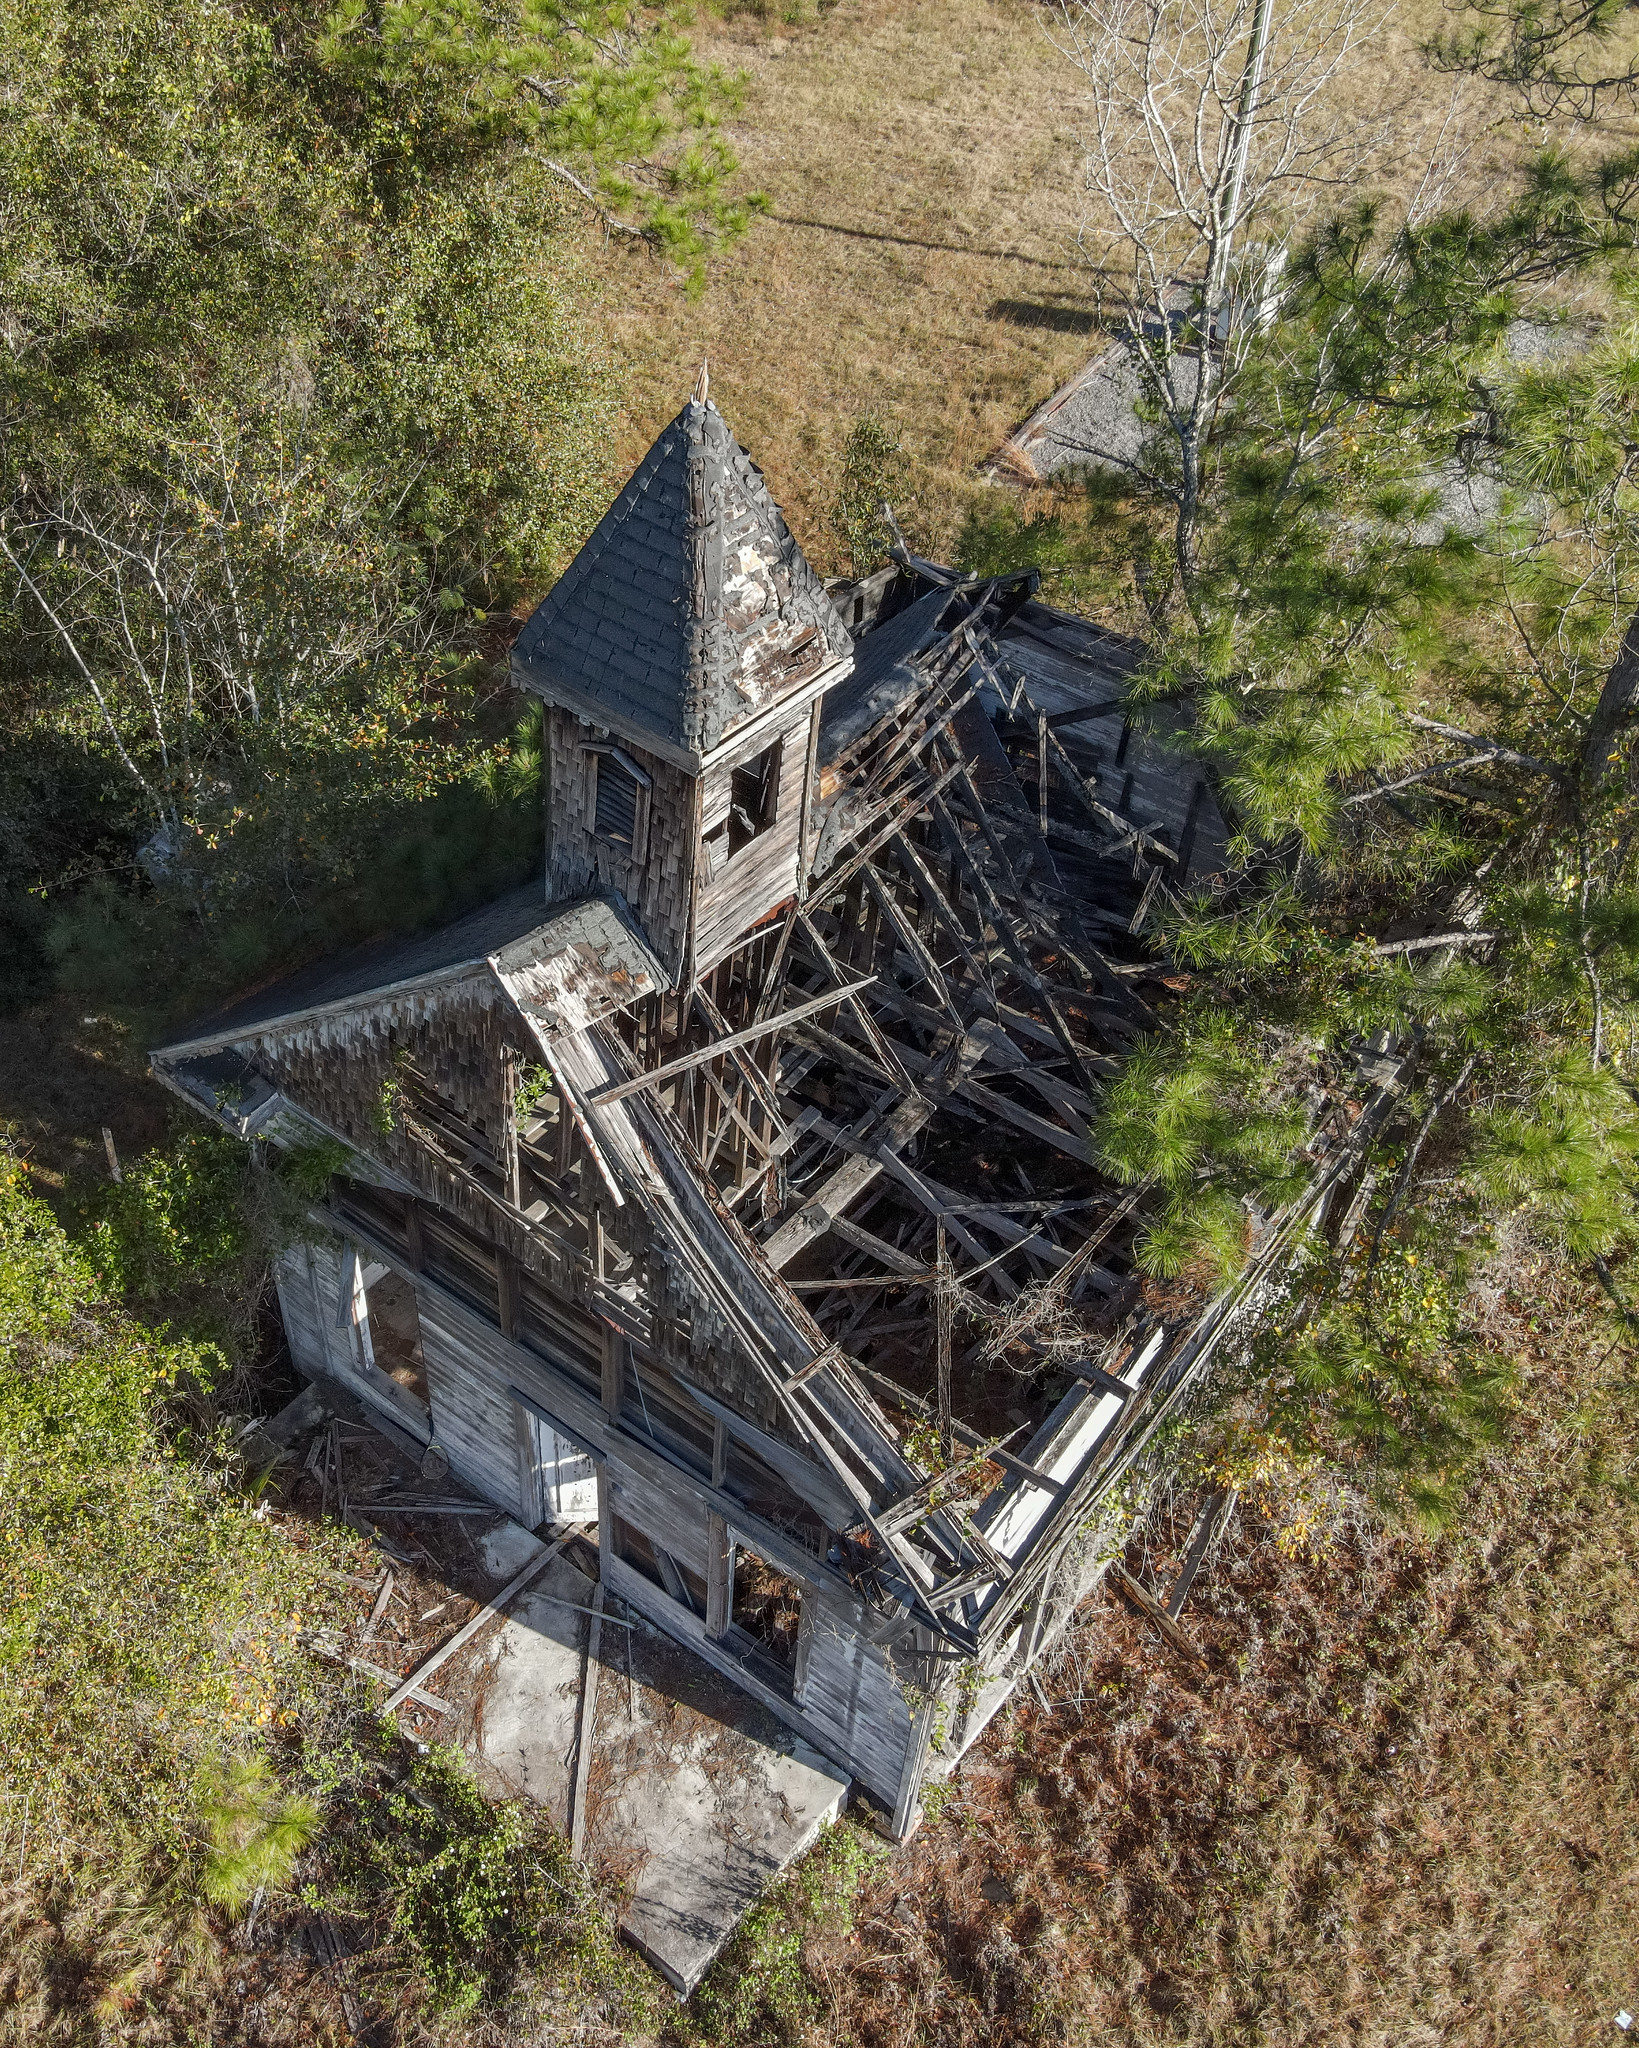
column 584, row 1728
column 1152, row 1610
column 781, row 1020
column 1209, row 1526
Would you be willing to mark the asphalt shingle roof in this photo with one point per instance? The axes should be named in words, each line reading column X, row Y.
column 386, row 964
column 691, row 606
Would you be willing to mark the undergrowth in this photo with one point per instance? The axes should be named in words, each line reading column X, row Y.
column 148, row 1616
column 759, row 1988
column 1394, row 1808
column 480, row 1902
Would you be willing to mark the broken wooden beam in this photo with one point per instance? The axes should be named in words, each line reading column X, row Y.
column 585, row 1727
column 1147, row 1605
column 617, row 1091
column 1209, row 1526
column 485, row 1615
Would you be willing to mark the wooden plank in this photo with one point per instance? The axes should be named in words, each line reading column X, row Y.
column 617, row 1091
column 1082, row 714
column 1095, row 1375
column 884, row 1049
column 903, row 1397
column 909, row 938
column 843, row 1188
column 719, row 1575
column 932, row 1200
column 1209, row 1525
column 1026, row 1120
column 1128, row 831
column 584, row 1729
column 481, row 1619
column 1014, row 945
column 755, row 1079
column 1147, row 1605
column 941, row 907
column 421, row 1697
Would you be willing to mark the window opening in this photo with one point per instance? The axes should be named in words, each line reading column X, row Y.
column 566, row 1477
column 753, row 802
column 763, row 1493
column 394, row 1324
column 464, row 1264
column 658, row 1566
column 620, row 801
column 766, row 1616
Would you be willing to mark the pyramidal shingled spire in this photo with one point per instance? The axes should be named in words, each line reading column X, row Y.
column 691, row 608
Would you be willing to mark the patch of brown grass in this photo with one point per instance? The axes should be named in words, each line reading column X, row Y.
column 920, row 164
column 920, row 259
column 1397, row 1810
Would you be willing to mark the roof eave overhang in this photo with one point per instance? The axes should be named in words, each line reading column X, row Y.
column 531, row 678
column 217, row 1041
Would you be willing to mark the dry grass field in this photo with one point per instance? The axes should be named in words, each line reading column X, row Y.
column 919, row 259
column 1395, row 1810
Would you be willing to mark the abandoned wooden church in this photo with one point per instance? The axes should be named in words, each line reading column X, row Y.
column 730, row 1191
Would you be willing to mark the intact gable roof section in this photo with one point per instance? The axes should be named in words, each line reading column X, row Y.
column 563, row 969
column 369, row 972
column 690, row 609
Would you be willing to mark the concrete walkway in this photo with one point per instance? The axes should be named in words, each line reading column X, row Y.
column 696, row 1798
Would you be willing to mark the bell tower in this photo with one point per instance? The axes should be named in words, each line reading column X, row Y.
column 682, row 657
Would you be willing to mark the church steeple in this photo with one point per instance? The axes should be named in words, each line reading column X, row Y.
column 682, row 657
column 691, row 609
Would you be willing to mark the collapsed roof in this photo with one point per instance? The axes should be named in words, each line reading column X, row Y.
column 861, row 1141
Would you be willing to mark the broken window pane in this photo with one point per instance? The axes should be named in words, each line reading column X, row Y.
column 753, row 804
column 395, row 1333
column 766, row 1613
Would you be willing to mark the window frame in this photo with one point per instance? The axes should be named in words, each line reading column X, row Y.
column 594, row 753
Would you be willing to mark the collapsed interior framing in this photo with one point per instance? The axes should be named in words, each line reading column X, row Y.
column 732, row 1188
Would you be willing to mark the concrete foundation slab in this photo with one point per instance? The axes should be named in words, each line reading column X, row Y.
column 696, row 1796
column 528, row 1703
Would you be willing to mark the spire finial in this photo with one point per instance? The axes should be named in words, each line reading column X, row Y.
column 702, row 383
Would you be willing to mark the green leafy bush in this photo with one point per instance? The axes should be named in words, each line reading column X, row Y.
column 179, row 1215
column 874, row 471
column 758, row 1989
column 148, row 1618
column 482, row 1894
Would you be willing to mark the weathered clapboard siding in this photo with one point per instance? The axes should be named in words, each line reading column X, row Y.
column 672, row 1516
column 764, row 872
column 852, row 1706
column 473, row 1413
column 852, row 1699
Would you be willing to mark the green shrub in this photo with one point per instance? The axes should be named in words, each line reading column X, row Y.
column 255, row 1830
column 875, row 470
column 148, row 1618
column 484, row 1896
column 178, row 1215
column 758, row 1989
